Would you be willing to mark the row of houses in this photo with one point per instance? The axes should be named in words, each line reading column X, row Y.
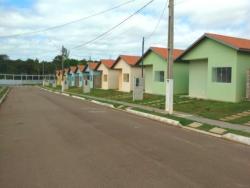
column 214, row 67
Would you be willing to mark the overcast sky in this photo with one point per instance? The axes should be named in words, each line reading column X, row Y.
column 192, row 19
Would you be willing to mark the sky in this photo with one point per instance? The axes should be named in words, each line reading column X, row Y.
column 193, row 18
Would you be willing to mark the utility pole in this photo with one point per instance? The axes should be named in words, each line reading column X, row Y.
column 170, row 81
column 62, row 61
column 43, row 74
column 142, row 53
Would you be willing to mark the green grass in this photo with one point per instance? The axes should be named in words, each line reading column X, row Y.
column 205, row 108
column 3, row 90
column 210, row 109
column 185, row 122
column 242, row 120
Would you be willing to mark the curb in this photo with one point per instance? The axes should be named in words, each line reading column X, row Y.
column 237, row 138
column 203, row 132
column 4, row 96
column 154, row 117
column 103, row 104
column 227, row 136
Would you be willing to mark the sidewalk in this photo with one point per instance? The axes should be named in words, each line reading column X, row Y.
column 178, row 114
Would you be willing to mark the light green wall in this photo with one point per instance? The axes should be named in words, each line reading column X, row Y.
column 218, row 55
column 154, row 62
column 242, row 67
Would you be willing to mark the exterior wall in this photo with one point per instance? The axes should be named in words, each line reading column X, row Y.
column 72, row 79
column 243, row 65
column 124, row 68
column 92, row 75
column 218, row 55
column 112, row 80
column 159, row 64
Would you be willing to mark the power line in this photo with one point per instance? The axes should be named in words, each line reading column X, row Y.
column 112, row 28
column 68, row 23
column 158, row 22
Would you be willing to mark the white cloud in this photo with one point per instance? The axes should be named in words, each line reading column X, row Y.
column 192, row 19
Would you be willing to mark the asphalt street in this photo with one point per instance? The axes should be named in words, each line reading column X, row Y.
column 53, row 141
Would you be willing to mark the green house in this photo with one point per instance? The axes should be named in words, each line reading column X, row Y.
column 217, row 67
column 155, row 67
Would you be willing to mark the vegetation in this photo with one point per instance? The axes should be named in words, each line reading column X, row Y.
column 2, row 91
column 34, row 66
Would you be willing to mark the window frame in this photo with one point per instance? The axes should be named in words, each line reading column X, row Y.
column 222, row 75
column 158, row 77
column 125, row 77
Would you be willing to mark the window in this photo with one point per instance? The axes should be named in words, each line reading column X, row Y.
column 159, row 76
column 105, row 77
column 126, row 77
column 222, row 74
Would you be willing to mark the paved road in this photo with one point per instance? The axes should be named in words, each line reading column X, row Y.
column 52, row 141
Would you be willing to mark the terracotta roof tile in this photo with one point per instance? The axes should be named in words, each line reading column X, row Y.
column 163, row 52
column 81, row 68
column 66, row 70
column 73, row 69
column 238, row 43
column 93, row 66
column 129, row 59
column 108, row 63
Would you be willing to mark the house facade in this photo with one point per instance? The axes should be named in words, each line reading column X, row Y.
column 109, row 76
column 217, row 67
column 81, row 74
column 72, row 77
column 155, row 71
column 95, row 78
column 127, row 71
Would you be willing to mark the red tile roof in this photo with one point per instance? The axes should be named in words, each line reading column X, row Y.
column 238, row 44
column 129, row 59
column 163, row 52
column 93, row 66
column 234, row 42
column 73, row 69
column 66, row 70
column 108, row 63
column 81, row 68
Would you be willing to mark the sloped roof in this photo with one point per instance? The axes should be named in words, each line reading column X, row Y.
column 109, row 63
column 238, row 44
column 234, row 42
column 73, row 69
column 93, row 66
column 163, row 52
column 129, row 59
column 81, row 68
column 66, row 70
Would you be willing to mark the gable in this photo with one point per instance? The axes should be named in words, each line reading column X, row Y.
column 151, row 58
column 205, row 48
column 121, row 64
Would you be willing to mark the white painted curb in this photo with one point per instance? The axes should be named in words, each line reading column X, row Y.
column 154, row 117
column 201, row 131
column 237, row 138
column 65, row 94
column 76, row 97
column 101, row 103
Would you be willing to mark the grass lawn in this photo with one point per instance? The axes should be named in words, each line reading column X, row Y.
column 210, row 109
column 205, row 108
column 2, row 91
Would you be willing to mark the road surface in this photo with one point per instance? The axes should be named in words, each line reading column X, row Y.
column 53, row 141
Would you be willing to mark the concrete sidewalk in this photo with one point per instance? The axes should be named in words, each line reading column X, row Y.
column 178, row 114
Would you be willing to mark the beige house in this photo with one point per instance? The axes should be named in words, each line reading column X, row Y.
column 127, row 71
column 109, row 75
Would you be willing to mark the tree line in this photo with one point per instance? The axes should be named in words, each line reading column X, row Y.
column 34, row 66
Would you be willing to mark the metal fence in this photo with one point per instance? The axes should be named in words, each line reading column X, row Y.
column 24, row 79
